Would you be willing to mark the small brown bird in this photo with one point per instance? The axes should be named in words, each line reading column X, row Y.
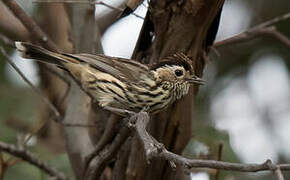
column 122, row 83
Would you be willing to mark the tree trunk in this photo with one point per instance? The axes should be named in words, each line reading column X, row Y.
column 179, row 26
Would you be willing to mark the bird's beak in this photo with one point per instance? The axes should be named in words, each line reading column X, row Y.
column 195, row 80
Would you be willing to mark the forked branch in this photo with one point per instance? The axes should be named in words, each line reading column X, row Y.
column 154, row 149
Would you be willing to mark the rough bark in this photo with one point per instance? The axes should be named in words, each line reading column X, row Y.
column 179, row 26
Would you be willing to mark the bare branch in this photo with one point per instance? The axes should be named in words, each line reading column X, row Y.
column 249, row 35
column 10, row 26
column 115, row 8
column 155, row 150
column 77, row 125
column 271, row 22
column 220, row 152
column 32, row 159
column 30, row 25
column 96, row 2
column 261, row 29
column 44, row 98
column 192, row 163
column 107, row 137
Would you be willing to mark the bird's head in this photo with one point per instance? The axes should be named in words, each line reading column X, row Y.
column 176, row 69
column 177, row 73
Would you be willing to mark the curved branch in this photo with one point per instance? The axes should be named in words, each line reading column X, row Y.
column 155, row 149
column 32, row 159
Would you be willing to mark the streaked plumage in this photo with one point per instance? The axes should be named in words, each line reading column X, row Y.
column 122, row 83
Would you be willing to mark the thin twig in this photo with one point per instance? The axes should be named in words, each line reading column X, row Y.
column 270, row 22
column 246, row 36
column 77, row 125
column 195, row 163
column 220, row 153
column 7, row 41
column 261, row 29
column 32, row 159
column 115, row 8
column 30, row 25
column 86, row 2
column 43, row 97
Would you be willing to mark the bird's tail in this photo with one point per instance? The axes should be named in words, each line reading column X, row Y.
column 31, row 51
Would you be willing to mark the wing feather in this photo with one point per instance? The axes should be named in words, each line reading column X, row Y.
column 126, row 69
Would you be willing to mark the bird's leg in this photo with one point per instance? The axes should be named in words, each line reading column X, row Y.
column 138, row 122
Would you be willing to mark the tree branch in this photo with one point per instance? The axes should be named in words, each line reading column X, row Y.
column 87, row 2
column 31, row 26
column 249, row 35
column 10, row 26
column 106, row 138
column 32, row 159
column 271, row 22
column 261, row 29
column 153, row 149
column 97, row 165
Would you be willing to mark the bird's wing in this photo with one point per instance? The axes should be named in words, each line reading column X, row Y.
column 125, row 69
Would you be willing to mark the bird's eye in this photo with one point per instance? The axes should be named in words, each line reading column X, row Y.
column 178, row 72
